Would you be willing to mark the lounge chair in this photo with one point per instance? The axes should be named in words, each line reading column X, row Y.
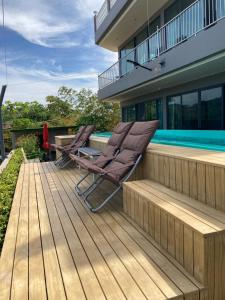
column 108, row 154
column 67, row 147
column 81, row 142
column 121, row 168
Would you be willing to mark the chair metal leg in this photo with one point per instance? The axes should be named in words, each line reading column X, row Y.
column 89, row 189
column 97, row 208
column 66, row 161
column 77, row 186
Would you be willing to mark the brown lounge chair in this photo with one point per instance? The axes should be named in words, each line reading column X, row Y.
column 113, row 145
column 81, row 142
column 62, row 149
column 124, row 164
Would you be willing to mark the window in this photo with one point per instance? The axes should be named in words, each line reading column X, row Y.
column 183, row 111
column 174, row 112
column 190, row 111
column 141, row 54
column 129, row 113
column 127, row 53
column 211, row 108
column 181, row 27
column 154, row 111
column 174, row 9
column 142, row 49
column 196, row 110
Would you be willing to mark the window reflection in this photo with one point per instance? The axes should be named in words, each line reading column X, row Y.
column 211, row 108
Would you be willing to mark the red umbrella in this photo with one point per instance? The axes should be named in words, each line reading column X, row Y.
column 45, row 137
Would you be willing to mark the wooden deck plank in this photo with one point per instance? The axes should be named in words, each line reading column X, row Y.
column 19, row 289
column 140, row 242
column 54, row 284
column 8, row 250
column 62, row 251
column 123, row 277
column 71, row 279
column 37, row 288
column 103, row 273
column 125, row 280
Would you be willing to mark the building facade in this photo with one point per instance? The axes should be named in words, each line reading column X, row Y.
column 171, row 61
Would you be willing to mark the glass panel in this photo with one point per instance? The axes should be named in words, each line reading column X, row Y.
column 211, row 108
column 152, row 28
column 190, row 111
column 184, row 25
column 129, row 113
column 177, row 7
column 125, row 54
column 220, row 6
column 154, row 111
column 174, row 113
column 142, row 49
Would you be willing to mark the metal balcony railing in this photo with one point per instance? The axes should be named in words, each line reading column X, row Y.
column 200, row 15
column 103, row 12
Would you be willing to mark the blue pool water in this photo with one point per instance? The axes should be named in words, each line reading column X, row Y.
column 201, row 139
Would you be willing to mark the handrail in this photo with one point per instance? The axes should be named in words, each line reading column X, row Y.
column 193, row 19
column 103, row 12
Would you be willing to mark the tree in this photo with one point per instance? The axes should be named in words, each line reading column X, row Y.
column 105, row 115
column 61, row 106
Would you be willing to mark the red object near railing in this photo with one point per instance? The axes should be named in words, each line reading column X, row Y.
column 45, row 144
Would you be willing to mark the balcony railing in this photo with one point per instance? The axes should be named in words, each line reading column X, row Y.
column 200, row 15
column 103, row 12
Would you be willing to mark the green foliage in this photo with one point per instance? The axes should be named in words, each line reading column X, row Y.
column 68, row 108
column 61, row 106
column 105, row 115
column 29, row 144
column 8, row 180
column 24, row 114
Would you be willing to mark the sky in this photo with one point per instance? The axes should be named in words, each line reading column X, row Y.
column 50, row 43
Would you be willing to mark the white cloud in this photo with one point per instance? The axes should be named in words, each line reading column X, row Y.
column 53, row 24
column 36, row 84
column 49, row 23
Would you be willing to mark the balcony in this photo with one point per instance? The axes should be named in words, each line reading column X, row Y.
column 103, row 12
column 201, row 15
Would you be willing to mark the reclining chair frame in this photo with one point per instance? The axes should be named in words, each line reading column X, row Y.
column 99, row 179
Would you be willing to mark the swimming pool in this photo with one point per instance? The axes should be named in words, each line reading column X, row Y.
column 200, row 139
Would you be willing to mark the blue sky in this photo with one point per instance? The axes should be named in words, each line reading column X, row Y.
column 50, row 44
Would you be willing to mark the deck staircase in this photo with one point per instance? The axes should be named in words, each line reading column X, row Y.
column 178, row 199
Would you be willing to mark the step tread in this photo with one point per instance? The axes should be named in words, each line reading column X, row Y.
column 197, row 215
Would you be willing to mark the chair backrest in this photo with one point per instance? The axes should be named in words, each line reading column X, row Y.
column 132, row 147
column 118, row 135
column 83, row 138
column 78, row 135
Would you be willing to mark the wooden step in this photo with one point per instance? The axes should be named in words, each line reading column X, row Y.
column 193, row 233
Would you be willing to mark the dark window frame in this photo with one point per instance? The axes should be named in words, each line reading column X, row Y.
column 222, row 86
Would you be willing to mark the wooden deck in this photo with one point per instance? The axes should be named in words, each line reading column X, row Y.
column 56, row 249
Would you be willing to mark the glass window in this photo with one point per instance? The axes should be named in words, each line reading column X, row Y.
column 190, row 111
column 174, row 112
column 142, row 49
column 140, row 112
column 126, row 53
column 154, row 111
column 211, row 108
column 174, row 9
column 152, row 28
column 129, row 113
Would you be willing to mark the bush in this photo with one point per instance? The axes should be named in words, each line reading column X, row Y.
column 29, row 144
column 8, row 180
